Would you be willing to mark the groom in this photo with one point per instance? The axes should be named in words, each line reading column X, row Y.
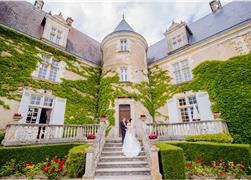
column 123, row 129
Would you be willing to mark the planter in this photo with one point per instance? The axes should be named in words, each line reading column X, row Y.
column 91, row 136
column 142, row 117
column 103, row 118
column 152, row 136
column 216, row 114
column 17, row 116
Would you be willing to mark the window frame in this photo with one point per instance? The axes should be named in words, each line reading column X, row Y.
column 181, row 71
column 124, row 74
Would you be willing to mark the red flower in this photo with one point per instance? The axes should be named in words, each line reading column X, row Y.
column 28, row 164
column 60, row 170
column 61, row 163
column 48, row 164
column 55, row 160
column 222, row 172
column 189, row 164
column 218, row 163
column 198, row 161
column 45, row 169
column 152, row 136
column 52, row 170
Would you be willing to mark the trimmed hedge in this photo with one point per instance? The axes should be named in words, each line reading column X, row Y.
column 1, row 136
column 172, row 162
column 75, row 162
column 215, row 151
column 34, row 154
column 222, row 138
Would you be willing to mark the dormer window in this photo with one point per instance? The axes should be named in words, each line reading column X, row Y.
column 177, row 42
column 177, row 36
column 123, row 45
column 215, row 5
column 52, row 34
column 59, row 35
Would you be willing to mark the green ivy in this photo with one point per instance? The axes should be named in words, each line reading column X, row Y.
column 228, row 84
column 21, row 60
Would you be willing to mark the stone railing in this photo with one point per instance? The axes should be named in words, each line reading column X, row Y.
column 23, row 134
column 184, row 129
column 152, row 156
column 93, row 153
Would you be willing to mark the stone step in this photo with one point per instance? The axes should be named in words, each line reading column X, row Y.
column 122, row 171
column 117, row 153
column 116, row 141
column 119, row 149
column 123, row 164
column 122, row 158
column 124, row 177
column 116, row 145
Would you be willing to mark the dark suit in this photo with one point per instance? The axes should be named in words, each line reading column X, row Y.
column 123, row 130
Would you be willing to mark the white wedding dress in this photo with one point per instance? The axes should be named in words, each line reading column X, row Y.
column 131, row 146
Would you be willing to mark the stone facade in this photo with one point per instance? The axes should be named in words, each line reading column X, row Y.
column 126, row 52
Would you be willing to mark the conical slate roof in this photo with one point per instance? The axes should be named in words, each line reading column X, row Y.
column 123, row 26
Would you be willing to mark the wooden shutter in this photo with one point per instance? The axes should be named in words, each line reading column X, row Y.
column 57, row 116
column 24, row 105
column 173, row 111
column 204, row 106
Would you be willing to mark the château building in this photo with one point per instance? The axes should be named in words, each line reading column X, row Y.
column 223, row 33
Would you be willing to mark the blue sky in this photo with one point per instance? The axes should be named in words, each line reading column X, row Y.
column 150, row 18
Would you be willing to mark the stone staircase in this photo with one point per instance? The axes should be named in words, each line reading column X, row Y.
column 114, row 165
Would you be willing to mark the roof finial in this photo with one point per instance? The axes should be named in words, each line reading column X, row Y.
column 123, row 16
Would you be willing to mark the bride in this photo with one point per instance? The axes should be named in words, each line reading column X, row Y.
column 131, row 146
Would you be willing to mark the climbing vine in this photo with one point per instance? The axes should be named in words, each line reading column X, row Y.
column 19, row 58
column 228, row 84
column 154, row 93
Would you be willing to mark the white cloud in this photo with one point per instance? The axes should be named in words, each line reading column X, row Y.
column 149, row 18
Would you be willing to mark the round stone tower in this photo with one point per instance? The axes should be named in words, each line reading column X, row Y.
column 124, row 51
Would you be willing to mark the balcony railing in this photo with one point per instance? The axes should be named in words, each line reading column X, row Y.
column 184, row 129
column 23, row 134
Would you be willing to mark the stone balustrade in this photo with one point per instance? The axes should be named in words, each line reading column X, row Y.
column 93, row 153
column 24, row 134
column 184, row 129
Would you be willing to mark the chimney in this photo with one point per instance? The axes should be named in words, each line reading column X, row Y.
column 215, row 5
column 69, row 21
column 39, row 4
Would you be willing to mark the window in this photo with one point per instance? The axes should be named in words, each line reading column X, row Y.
column 182, row 71
column 53, row 74
column 48, row 69
column 177, row 42
column 32, row 115
column 186, row 108
column 59, row 35
column 42, row 71
column 123, row 45
column 123, row 74
column 52, row 34
column 48, row 101
column 35, row 100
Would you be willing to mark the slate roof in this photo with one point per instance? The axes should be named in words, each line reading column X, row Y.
column 23, row 16
column 123, row 26
column 231, row 15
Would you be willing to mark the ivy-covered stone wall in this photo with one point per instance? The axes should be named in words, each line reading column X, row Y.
column 228, row 84
column 19, row 58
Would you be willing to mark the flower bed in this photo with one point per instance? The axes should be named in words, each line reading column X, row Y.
column 215, row 169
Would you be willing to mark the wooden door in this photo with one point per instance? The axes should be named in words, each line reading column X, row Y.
column 124, row 112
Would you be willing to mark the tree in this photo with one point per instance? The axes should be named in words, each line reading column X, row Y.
column 154, row 93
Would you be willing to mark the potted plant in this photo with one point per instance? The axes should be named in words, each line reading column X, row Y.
column 103, row 118
column 17, row 116
column 91, row 136
column 142, row 117
column 216, row 114
column 153, row 136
